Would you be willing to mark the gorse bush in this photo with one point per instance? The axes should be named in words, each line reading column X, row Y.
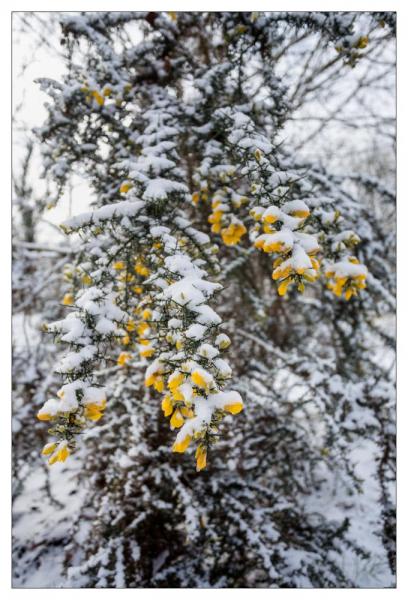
column 191, row 135
column 216, row 270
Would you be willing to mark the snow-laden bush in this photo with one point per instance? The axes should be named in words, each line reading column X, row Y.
column 217, row 270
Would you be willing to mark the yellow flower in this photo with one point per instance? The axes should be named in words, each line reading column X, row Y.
column 233, row 233
column 175, row 381
column 44, row 416
column 146, row 352
column 300, row 214
column 283, row 288
column 310, row 278
column 125, row 187
column 123, row 358
column 93, row 412
column 167, row 405
column 273, row 247
column 49, row 448
column 362, row 42
column 86, row 279
column 59, row 456
column 137, row 289
column 216, row 216
column 150, row 380
column 107, row 91
column 126, row 340
column 195, row 197
column 146, row 314
column 141, row 269
column 224, row 342
column 68, row 300
column 268, row 228
column 235, row 408
column 182, row 446
column 269, row 218
column 201, row 456
column 158, row 384
column 187, row 412
column 176, row 420
column 178, row 396
column 198, row 379
column 119, row 265
column 281, row 273
column 142, row 327
column 99, row 99
column 341, row 280
column 130, row 325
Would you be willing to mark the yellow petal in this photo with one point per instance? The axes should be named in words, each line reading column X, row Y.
column 99, row 99
column 123, row 358
column 183, row 445
column 300, row 214
column 167, row 406
column 147, row 352
column 201, row 456
column 158, row 384
column 44, row 416
column 130, row 325
column 68, row 300
column 235, row 408
column 125, row 187
column 283, row 288
column 187, row 412
column 119, row 265
column 198, row 380
column 49, row 448
column 176, row 420
column 175, row 381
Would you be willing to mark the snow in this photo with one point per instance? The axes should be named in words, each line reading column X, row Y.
column 125, row 208
column 195, row 331
column 159, row 188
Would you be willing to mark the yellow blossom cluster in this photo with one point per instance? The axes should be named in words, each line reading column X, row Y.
column 100, row 94
column 187, row 368
column 59, row 452
column 279, row 230
column 200, row 196
column 225, row 223
column 76, row 277
column 136, row 328
column 346, row 278
column 187, row 392
column 95, row 94
column 69, row 416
